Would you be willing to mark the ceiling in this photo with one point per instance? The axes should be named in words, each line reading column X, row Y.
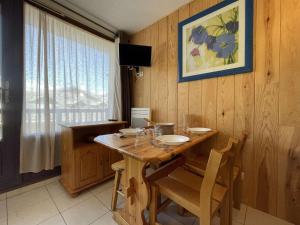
column 128, row 15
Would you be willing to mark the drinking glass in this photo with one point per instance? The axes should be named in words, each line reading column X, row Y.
column 139, row 138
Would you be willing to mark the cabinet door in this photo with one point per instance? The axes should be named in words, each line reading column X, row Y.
column 107, row 171
column 89, row 164
column 109, row 157
column 115, row 156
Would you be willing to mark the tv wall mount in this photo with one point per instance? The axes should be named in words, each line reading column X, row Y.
column 138, row 73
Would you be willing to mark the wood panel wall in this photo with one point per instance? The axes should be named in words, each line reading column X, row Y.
column 265, row 103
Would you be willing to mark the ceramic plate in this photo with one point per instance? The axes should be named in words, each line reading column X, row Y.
column 131, row 131
column 198, row 130
column 172, row 139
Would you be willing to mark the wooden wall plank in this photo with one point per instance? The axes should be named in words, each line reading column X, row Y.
column 183, row 88
column 265, row 147
column 209, row 103
column 267, row 44
column 172, row 67
column 288, row 206
column 147, row 73
column 138, row 82
column 243, row 122
column 225, row 109
column 195, row 103
column 154, row 72
column 288, row 197
column 163, row 69
column 289, row 60
column 266, row 104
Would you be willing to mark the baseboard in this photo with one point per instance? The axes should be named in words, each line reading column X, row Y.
column 32, row 178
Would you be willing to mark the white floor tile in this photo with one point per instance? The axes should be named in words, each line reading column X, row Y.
column 3, row 211
column 38, row 206
column 22, row 190
column 256, row 217
column 2, row 196
column 55, row 220
column 239, row 215
column 85, row 212
column 105, row 198
column 105, row 220
column 3, row 221
column 102, row 187
column 62, row 199
column 27, row 188
column 27, row 199
column 55, row 188
column 32, row 214
column 51, row 180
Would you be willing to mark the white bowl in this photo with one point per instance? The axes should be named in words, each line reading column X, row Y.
column 198, row 130
column 172, row 139
column 131, row 131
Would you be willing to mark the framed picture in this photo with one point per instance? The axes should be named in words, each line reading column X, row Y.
column 216, row 42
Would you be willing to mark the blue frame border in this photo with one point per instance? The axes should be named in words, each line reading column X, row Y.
column 248, row 43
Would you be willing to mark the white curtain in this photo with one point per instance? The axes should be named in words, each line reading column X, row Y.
column 115, row 87
column 71, row 76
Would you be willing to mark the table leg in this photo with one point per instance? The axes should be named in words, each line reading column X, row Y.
column 137, row 191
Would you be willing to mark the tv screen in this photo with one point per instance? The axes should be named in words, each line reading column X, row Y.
column 134, row 55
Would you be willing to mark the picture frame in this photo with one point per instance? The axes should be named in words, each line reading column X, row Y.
column 216, row 42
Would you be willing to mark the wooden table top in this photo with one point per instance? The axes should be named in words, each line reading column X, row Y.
column 144, row 148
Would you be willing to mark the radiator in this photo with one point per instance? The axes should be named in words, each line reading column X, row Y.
column 138, row 115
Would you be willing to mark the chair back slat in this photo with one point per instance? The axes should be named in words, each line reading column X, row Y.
column 226, row 167
column 209, row 181
column 238, row 150
column 219, row 166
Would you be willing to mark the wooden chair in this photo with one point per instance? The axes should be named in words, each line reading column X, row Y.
column 198, row 165
column 118, row 167
column 202, row 196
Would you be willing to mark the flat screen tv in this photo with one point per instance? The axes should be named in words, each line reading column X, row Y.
column 134, row 55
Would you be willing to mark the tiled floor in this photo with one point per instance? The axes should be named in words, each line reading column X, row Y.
column 47, row 203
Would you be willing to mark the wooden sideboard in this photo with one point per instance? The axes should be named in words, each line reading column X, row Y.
column 83, row 162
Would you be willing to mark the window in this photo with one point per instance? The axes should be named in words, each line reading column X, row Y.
column 67, row 73
column 70, row 76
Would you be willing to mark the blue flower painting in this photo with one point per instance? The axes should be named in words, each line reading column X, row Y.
column 224, row 46
column 214, row 42
column 217, row 41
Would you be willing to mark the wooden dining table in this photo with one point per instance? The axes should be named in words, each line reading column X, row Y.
column 138, row 152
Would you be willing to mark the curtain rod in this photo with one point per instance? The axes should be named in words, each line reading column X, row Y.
column 71, row 10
